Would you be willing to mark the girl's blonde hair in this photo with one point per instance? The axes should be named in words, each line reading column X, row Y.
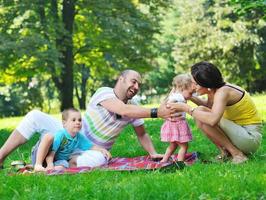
column 181, row 82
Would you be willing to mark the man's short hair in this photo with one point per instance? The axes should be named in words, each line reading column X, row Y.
column 66, row 112
column 126, row 72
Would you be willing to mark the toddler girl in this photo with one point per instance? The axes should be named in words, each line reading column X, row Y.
column 176, row 131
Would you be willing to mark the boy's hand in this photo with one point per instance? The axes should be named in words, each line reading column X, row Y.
column 50, row 166
column 39, row 168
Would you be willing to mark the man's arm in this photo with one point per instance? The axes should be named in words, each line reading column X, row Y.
column 133, row 111
column 146, row 142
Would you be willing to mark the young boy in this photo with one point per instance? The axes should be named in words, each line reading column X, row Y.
column 65, row 143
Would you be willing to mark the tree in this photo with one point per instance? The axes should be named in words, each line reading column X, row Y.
column 209, row 30
column 75, row 38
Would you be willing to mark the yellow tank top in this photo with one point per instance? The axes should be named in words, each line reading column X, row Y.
column 243, row 112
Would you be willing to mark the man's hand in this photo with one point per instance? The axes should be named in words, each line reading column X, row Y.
column 177, row 107
column 105, row 152
column 156, row 156
column 164, row 111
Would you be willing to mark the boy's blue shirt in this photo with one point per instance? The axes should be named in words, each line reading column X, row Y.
column 64, row 144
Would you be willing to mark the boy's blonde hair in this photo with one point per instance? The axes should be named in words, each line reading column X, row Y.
column 181, row 82
column 66, row 112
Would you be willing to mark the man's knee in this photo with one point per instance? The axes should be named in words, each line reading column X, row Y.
column 33, row 114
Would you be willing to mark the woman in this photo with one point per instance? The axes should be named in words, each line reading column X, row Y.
column 228, row 117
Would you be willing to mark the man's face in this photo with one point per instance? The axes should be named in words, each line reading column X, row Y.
column 131, row 83
column 73, row 123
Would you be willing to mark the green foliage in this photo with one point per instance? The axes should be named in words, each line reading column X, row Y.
column 102, row 39
column 251, row 9
column 193, row 31
column 161, row 37
column 18, row 99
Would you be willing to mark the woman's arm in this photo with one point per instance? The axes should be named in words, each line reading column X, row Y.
column 209, row 116
column 199, row 101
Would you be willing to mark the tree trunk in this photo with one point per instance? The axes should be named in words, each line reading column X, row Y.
column 68, row 14
column 85, row 73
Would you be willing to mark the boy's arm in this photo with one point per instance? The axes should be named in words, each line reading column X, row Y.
column 105, row 152
column 42, row 151
column 50, row 160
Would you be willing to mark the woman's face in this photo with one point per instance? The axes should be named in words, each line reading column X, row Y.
column 197, row 88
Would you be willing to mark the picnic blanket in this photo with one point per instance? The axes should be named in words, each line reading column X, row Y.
column 131, row 164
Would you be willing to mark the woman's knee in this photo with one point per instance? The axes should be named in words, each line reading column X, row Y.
column 200, row 124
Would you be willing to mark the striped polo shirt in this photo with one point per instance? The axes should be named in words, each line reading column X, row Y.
column 102, row 126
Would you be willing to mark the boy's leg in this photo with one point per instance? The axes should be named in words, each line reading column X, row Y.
column 61, row 165
column 73, row 161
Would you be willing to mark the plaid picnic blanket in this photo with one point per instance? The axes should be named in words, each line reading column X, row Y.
column 131, row 164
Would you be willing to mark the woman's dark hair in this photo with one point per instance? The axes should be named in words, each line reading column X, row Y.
column 207, row 75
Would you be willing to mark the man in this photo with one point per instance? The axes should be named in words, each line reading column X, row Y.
column 109, row 111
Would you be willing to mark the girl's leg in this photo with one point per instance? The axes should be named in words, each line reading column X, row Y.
column 218, row 137
column 182, row 151
column 169, row 151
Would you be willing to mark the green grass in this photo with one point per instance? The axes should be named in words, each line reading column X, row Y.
column 200, row 181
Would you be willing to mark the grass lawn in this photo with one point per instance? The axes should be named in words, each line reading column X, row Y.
column 200, row 181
